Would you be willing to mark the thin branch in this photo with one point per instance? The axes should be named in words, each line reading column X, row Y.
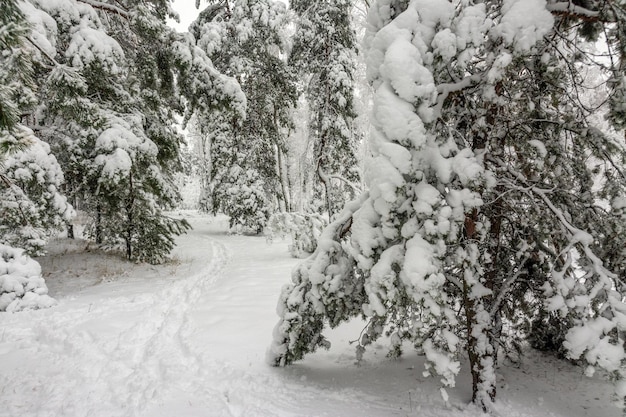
column 569, row 9
column 505, row 287
column 40, row 49
column 446, row 89
column 354, row 187
column 107, row 7
column 454, row 280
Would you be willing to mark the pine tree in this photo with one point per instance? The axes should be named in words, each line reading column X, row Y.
column 31, row 204
column 16, row 90
column 323, row 53
column 490, row 193
column 115, row 77
column 245, row 40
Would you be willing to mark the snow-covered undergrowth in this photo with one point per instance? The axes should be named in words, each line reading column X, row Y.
column 189, row 338
column 21, row 285
column 303, row 228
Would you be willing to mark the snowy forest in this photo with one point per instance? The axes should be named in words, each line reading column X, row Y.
column 193, row 222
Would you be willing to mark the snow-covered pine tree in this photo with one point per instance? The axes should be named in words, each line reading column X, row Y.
column 324, row 53
column 489, row 190
column 115, row 75
column 245, row 40
column 16, row 90
column 31, row 204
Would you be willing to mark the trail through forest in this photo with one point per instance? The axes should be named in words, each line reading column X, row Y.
column 189, row 339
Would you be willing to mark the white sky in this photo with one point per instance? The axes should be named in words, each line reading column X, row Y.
column 188, row 12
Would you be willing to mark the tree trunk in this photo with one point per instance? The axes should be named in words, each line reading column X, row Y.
column 480, row 351
column 283, row 180
column 491, row 275
column 482, row 335
column 98, row 224
column 480, row 343
column 70, row 225
column 130, row 219
column 325, row 183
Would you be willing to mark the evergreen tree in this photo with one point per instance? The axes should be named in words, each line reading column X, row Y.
column 323, row 53
column 16, row 90
column 490, row 193
column 115, row 76
column 245, row 40
column 31, row 205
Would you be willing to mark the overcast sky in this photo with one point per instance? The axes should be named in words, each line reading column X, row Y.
column 188, row 12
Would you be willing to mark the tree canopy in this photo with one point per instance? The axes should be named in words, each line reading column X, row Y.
column 494, row 193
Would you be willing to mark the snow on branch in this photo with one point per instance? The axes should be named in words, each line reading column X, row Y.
column 568, row 8
column 43, row 52
column 349, row 183
column 106, row 7
column 504, row 291
column 584, row 238
column 576, row 234
column 444, row 90
column 312, row 301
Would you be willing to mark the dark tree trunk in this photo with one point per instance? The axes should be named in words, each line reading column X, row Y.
column 98, row 224
column 129, row 218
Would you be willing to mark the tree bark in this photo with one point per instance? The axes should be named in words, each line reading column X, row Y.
column 480, row 344
column 98, row 224
column 130, row 219
column 283, row 180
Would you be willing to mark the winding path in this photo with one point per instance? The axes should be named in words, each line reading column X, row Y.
column 111, row 357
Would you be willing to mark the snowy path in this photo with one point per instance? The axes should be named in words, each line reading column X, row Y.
column 106, row 355
column 234, row 326
column 189, row 340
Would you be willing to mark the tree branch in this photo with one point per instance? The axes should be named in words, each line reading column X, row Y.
column 569, row 9
column 354, row 187
column 445, row 89
column 506, row 286
column 40, row 49
column 107, row 7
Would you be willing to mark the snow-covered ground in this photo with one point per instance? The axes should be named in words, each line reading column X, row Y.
column 189, row 339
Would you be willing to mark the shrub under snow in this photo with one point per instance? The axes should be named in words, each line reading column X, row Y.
column 21, row 285
column 304, row 228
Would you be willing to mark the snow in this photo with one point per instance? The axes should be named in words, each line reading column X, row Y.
column 44, row 27
column 403, row 66
column 540, row 146
column 36, row 171
column 524, row 22
column 89, row 45
column 188, row 339
column 119, row 147
column 21, row 284
column 471, row 26
column 397, row 119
